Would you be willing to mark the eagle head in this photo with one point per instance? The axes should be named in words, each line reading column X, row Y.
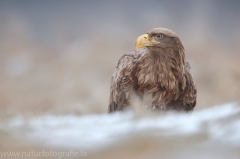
column 161, row 38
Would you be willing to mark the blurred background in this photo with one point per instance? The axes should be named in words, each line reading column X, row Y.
column 58, row 56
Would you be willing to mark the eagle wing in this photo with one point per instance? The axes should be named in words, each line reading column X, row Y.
column 190, row 95
column 187, row 100
column 121, row 83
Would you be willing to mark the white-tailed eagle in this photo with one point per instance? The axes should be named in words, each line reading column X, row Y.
column 156, row 72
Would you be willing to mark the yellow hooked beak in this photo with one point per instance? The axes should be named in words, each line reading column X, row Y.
column 144, row 40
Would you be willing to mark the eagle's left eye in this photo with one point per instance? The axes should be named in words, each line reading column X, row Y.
column 160, row 36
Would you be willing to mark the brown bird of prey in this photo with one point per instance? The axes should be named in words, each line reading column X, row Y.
column 156, row 73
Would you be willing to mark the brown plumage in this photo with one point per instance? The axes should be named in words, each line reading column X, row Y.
column 156, row 72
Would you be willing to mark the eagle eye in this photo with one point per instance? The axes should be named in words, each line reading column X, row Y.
column 160, row 36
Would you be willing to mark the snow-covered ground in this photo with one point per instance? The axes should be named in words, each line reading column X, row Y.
column 215, row 126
